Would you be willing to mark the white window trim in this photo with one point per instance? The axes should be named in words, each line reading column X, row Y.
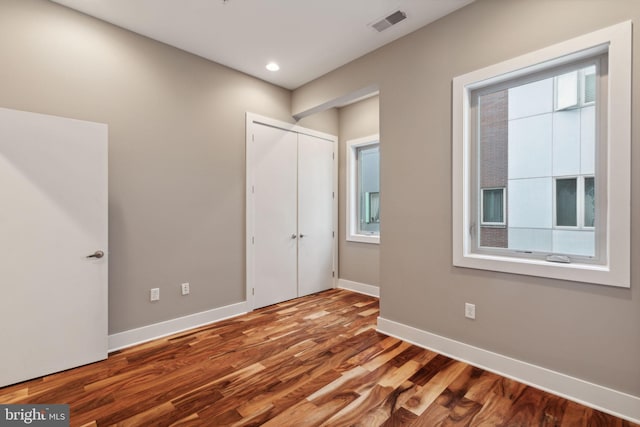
column 351, row 228
column 615, row 271
column 504, row 208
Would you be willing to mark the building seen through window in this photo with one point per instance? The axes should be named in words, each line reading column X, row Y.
column 536, row 164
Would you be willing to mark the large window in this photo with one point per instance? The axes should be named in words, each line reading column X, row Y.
column 541, row 162
column 363, row 190
column 536, row 136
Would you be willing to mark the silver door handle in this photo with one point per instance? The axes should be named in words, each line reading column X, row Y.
column 96, row 254
column 293, row 236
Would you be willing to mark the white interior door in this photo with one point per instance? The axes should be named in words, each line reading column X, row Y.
column 53, row 214
column 315, row 214
column 274, row 214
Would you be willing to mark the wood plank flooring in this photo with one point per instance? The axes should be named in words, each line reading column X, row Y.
column 314, row 361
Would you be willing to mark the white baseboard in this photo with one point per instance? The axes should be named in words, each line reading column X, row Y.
column 361, row 288
column 604, row 399
column 132, row 337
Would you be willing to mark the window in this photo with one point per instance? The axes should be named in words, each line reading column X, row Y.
column 493, row 206
column 536, row 140
column 575, row 89
column 535, row 136
column 566, row 202
column 363, row 190
column 575, row 202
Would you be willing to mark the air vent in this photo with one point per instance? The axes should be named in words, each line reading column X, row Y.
column 390, row 20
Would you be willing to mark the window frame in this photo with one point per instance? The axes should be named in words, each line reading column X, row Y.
column 352, row 229
column 613, row 268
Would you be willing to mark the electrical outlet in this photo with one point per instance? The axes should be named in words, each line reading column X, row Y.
column 154, row 294
column 185, row 288
column 469, row 310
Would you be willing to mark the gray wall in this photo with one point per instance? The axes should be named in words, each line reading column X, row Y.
column 358, row 262
column 326, row 121
column 586, row 331
column 176, row 153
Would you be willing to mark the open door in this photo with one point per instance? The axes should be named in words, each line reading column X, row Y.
column 53, row 244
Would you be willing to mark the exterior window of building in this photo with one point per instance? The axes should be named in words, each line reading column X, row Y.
column 575, row 89
column 575, row 202
column 535, row 139
column 493, row 206
column 567, row 202
column 363, row 190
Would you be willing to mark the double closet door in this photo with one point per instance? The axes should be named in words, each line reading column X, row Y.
column 291, row 211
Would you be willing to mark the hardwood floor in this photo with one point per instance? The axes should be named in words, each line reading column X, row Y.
column 314, row 361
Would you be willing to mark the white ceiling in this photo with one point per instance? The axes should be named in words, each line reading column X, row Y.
column 307, row 38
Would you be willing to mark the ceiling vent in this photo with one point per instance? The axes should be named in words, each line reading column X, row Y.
column 390, row 20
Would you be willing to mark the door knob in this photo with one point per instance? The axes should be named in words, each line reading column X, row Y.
column 293, row 236
column 301, row 236
column 96, row 254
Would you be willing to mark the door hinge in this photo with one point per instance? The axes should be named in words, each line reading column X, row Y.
column 333, row 274
column 333, row 156
column 333, row 194
column 253, row 189
column 253, row 291
column 253, row 138
column 333, row 234
column 253, row 240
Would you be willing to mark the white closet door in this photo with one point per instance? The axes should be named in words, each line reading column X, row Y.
column 315, row 214
column 274, row 163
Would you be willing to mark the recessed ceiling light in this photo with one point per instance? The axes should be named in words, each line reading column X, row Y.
column 272, row 66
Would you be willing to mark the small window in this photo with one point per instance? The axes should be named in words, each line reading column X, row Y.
column 567, row 202
column 363, row 190
column 541, row 166
column 575, row 89
column 493, row 207
column 575, row 202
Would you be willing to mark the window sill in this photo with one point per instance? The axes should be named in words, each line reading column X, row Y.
column 611, row 275
column 364, row 238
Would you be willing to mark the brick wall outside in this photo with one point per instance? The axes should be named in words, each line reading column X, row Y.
column 493, row 237
column 494, row 139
